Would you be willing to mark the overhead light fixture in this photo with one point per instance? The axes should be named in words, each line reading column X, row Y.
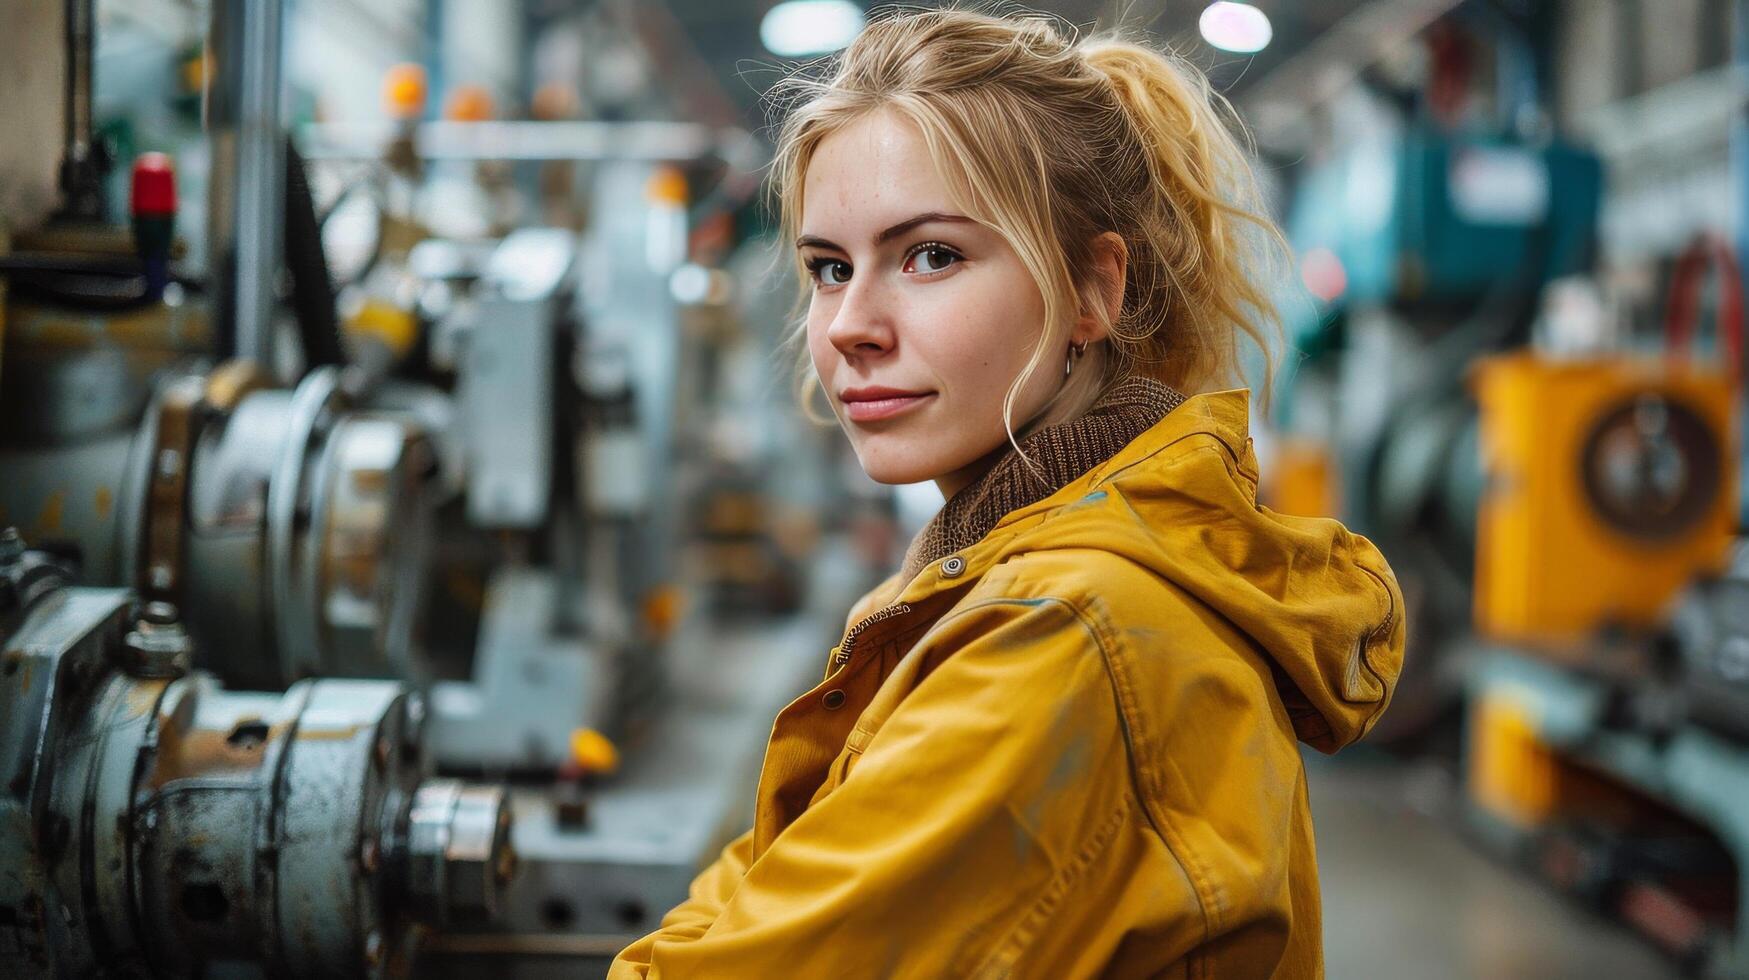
column 801, row 28
column 1237, row 27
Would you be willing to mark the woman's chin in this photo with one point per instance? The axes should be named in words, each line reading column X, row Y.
column 893, row 462
column 889, row 462
column 894, row 474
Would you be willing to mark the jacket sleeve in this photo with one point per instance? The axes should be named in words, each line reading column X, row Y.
column 710, row 891
column 687, row 921
column 974, row 817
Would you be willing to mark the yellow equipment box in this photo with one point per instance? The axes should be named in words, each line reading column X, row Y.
column 1611, row 484
column 1301, row 478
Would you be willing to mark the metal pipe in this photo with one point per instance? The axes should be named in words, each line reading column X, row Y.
column 245, row 217
column 81, row 170
column 78, row 108
column 508, row 140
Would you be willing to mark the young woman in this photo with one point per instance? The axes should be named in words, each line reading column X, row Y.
column 1062, row 740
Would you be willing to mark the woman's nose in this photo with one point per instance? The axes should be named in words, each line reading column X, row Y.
column 862, row 325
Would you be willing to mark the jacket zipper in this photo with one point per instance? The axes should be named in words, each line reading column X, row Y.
column 844, row 649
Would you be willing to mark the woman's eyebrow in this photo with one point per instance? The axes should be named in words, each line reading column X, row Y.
column 888, row 234
column 910, row 223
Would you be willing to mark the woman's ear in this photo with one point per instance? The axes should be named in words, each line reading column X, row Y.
column 1111, row 259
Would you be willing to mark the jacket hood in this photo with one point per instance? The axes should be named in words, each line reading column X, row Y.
column 1181, row 500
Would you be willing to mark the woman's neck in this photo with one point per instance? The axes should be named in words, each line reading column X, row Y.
column 952, row 483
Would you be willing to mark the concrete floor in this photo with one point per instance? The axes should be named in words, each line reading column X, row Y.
column 1406, row 897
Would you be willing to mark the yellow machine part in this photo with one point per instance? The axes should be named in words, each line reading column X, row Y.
column 1302, row 478
column 1511, row 773
column 395, row 328
column 152, row 331
column 1553, row 564
column 593, row 752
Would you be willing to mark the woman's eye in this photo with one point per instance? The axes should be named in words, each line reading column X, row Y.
column 931, row 258
column 830, row 272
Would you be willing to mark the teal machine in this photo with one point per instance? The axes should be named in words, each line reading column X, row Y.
column 1431, row 220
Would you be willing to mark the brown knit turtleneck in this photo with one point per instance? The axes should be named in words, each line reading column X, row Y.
column 1061, row 453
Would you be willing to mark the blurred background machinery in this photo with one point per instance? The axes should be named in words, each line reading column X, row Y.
column 291, row 526
column 1527, row 389
column 393, row 397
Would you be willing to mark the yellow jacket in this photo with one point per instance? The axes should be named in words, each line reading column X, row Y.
column 1070, row 749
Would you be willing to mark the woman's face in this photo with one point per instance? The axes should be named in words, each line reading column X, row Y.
column 921, row 318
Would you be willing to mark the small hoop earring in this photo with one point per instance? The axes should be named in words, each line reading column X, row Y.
column 1075, row 352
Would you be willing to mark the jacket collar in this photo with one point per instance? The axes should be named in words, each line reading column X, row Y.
column 1054, row 457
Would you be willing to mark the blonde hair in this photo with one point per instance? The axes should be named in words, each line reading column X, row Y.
column 1051, row 141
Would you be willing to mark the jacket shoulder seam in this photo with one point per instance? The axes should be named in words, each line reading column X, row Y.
column 1106, row 472
column 1081, row 596
column 1214, row 443
column 1123, row 693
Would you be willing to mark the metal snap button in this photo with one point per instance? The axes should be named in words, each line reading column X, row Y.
column 833, row 700
column 953, row 566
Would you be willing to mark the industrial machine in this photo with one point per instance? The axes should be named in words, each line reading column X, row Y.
column 1588, row 508
column 1615, row 767
column 1611, row 486
column 1709, row 628
column 1426, row 219
column 548, row 652
column 293, row 527
column 157, row 823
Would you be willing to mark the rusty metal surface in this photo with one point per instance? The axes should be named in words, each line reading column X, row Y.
column 52, row 656
column 155, row 826
column 69, row 496
column 226, row 589
column 335, row 775
column 177, row 408
column 229, row 383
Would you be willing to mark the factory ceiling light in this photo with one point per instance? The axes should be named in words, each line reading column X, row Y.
column 799, row 28
column 1236, row 27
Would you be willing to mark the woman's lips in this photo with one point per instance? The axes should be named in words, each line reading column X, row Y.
column 875, row 409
